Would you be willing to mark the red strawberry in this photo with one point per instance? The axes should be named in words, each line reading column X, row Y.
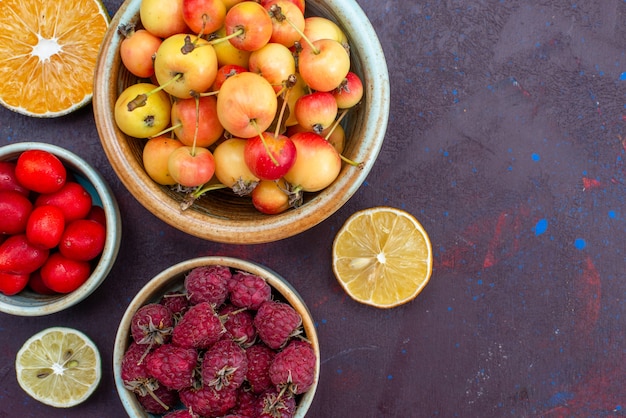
column 224, row 365
column 275, row 404
column 152, row 324
column 260, row 358
column 276, row 322
column 294, row 367
column 199, row 328
column 248, row 290
column 208, row 402
column 160, row 401
column 239, row 324
column 208, row 284
column 172, row 366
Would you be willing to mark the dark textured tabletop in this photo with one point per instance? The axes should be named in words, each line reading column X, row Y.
column 506, row 140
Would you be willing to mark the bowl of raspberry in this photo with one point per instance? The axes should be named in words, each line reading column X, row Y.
column 213, row 337
column 60, row 229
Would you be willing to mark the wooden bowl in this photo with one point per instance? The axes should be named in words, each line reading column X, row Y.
column 172, row 279
column 29, row 303
column 222, row 216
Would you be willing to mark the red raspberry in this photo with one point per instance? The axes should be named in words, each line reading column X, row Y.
column 207, row 401
column 275, row 404
column 208, row 284
column 177, row 302
column 181, row 413
column 224, row 365
column 248, row 290
column 247, row 404
column 172, row 366
column 199, row 328
column 276, row 322
column 239, row 324
column 260, row 358
column 134, row 374
column 152, row 324
column 160, row 401
column 294, row 367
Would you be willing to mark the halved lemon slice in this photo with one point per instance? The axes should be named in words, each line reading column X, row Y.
column 48, row 53
column 59, row 367
column 382, row 256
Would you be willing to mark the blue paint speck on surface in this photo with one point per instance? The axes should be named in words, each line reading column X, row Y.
column 612, row 214
column 535, row 156
column 580, row 243
column 560, row 398
column 389, row 377
column 622, row 76
column 541, row 226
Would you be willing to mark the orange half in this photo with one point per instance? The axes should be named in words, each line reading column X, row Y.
column 48, row 53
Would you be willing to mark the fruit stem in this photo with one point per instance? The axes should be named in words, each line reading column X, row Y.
column 166, row 130
column 235, row 34
column 336, row 123
column 287, row 86
column 207, row 188
column 282, row 113
column 267, row 150
column 351, row 162
column 195, row 132
column 208, row 93
column 344, row 112
column 199, row 191
column 276, row 12
column 141, row 99
column 204, row 20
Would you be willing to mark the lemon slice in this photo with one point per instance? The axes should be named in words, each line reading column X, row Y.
column 48, row 53
column 59, row 367
column 382, row 257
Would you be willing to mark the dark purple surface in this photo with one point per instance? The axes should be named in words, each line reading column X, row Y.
column 505, row 141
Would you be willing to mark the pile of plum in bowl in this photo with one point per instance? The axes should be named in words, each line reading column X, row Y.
column 241, row 121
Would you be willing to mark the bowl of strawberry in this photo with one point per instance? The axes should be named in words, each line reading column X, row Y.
column 60, row 229
column 215, row 337
column 242, row 121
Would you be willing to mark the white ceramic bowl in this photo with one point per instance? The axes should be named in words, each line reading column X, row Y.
column 29, row 303
column 173, row 279
column 225, row 217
